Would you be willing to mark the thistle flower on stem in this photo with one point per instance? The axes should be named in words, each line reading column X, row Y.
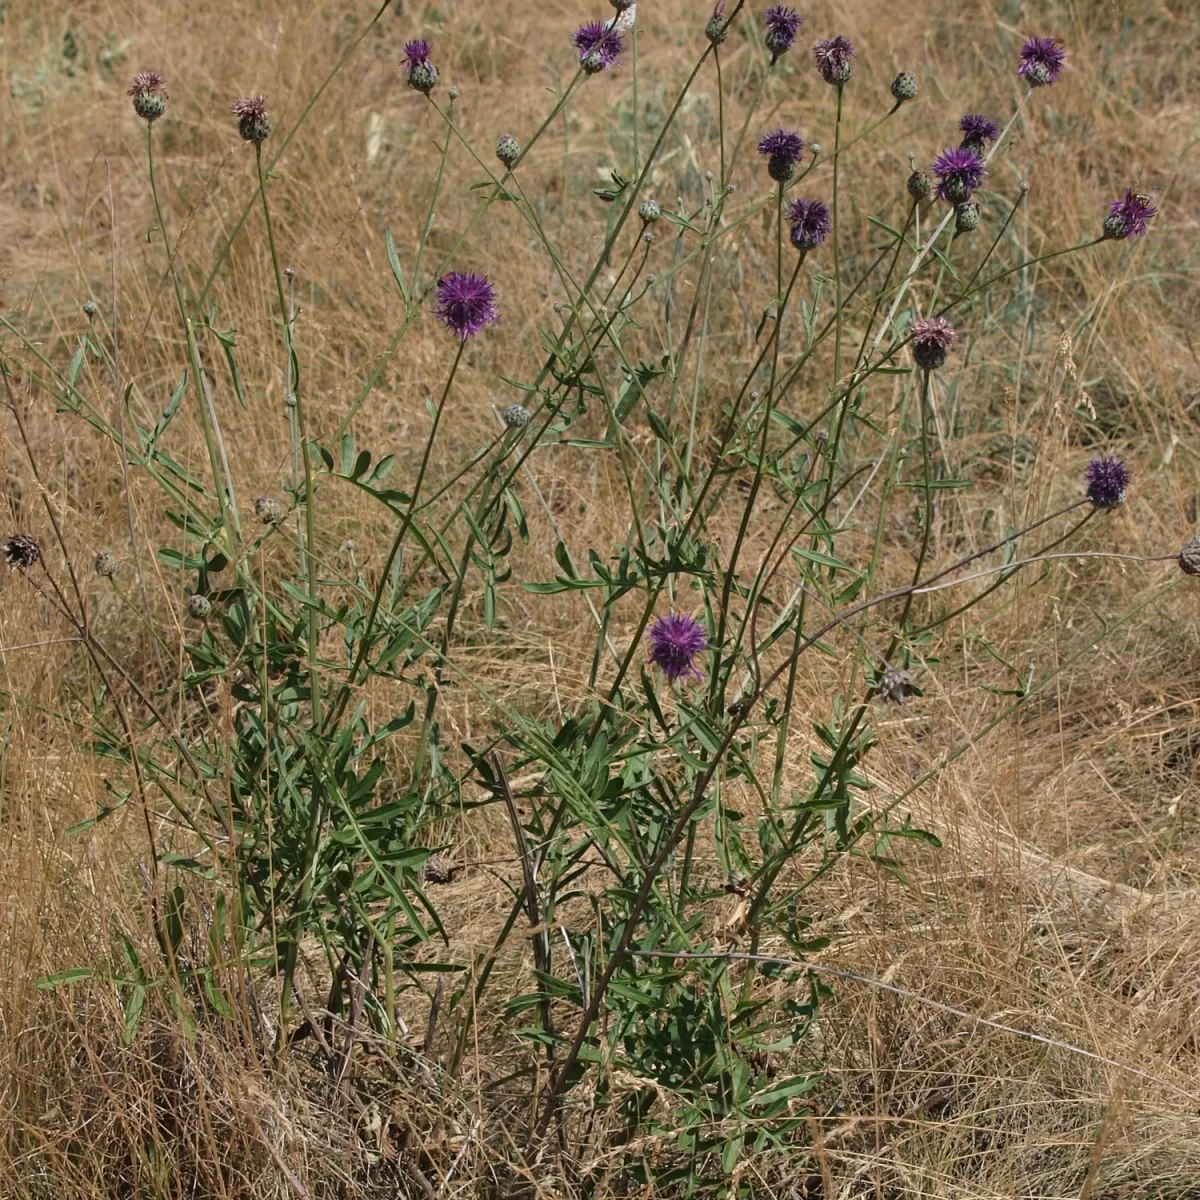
column 1129, row 216
column 268, row 510
column 810, row 221
column 782, row 24
column 149, row 93
column 959, row 172
column 835, row 57
column 717, row 29
column 966, row 217
column 199, row 607
column 919, row 185
column 422, row 74
column 253, row 123
column 978, row 132
column 508, row 150
column 676, row 640
column 904, row 87
column 599, row 47
column 783, row 149
column 896, row 684
column 1107, row 480
column 1189, row 556
column 931, row 338
column 21, row 551
column 466, row 303
column 1042, row 60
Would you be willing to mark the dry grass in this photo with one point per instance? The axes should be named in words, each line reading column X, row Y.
column 1065, row 901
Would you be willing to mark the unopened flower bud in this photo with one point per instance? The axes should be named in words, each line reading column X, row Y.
column 508, row 150
column 966, row 217
column 904, row 86
column 268, row 510
column 516, row 416
column 649, row 211
column 919, row 185
column 198, row 606
column 90, row 309
column 1189, row 557
column 105, row 564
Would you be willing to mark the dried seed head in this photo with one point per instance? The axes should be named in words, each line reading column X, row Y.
column 1189, row 556
column 198, row 606
column 508, row 150
column 105, row 564
column 516, row 416
column 896, row 684
column 22, row 551
column 268, row 510
column 440, row 869
column 904, row 87
column 966, row 217
column 649, row 211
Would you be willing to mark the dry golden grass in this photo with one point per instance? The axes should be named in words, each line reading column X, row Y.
column 1065, row 901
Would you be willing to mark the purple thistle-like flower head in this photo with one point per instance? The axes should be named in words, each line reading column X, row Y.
column 810, row 221
column 675, row 641
column 834, row 57
column 931, row 338
column 149, row 92
column 959, row 172
column 1042, row 59
column 978, row 131
column 599, row 46
column 1129, row 216
column 783, row 149
column 422, row 74
column 782, row 24
column 253, row 123
column 466, row 303
column 1107, row 479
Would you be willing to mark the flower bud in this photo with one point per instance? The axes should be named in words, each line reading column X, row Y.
column 919, row 185
column 649, row 211
column 105, row 564
column 199, row 607
column 516, row 416
column 268, row 510
column 966, row 217
column 508, row 150
column 904, row 86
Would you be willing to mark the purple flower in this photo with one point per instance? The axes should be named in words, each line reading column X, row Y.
column 1129, row 216
column 978, row 132
column 253, row 123
column 782, row 26
column 810, row 222
column 466, row 303
column 783, row 149
column 1107, row 479
column 675, row 640
column 1042, row 59
column 149, row 92
column 422, row 74
column 931, row 338
column 959, row 172
column 599, row 46
column 834, row 58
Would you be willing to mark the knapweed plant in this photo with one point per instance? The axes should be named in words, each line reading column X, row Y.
column 773, row 451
